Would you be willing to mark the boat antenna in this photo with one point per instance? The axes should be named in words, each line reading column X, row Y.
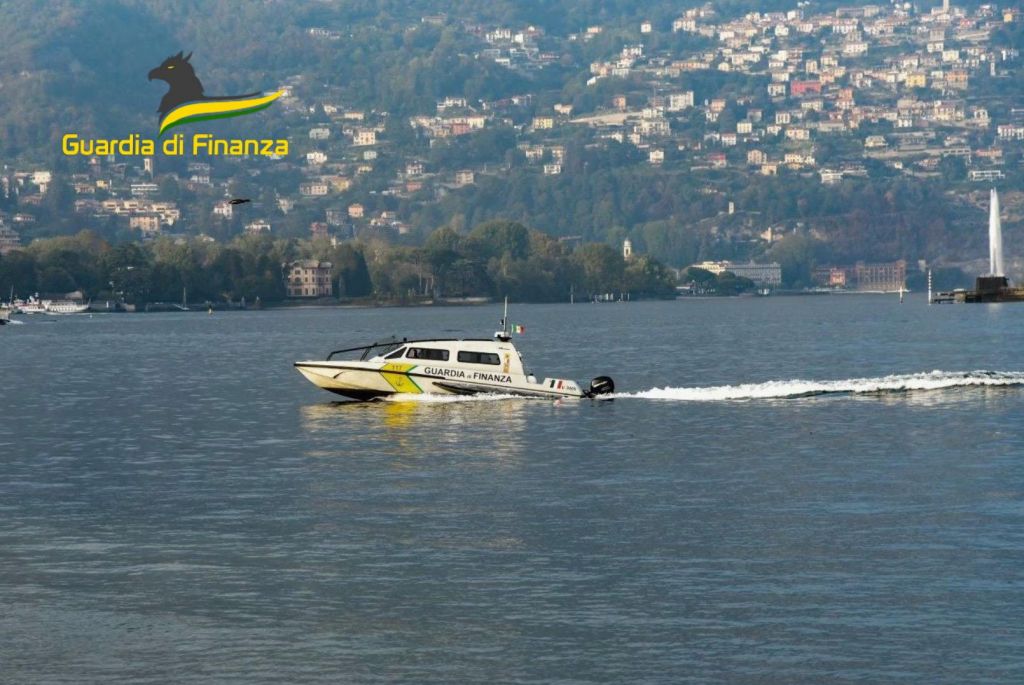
column 503, row 335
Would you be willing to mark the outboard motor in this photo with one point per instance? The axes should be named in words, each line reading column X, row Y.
column 602, row 385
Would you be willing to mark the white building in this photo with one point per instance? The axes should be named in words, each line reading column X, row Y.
column 144, row 189
column 364, row 136
column 677, row 102
column 258, row 226
column 763, row 275
column 984, row 175
column 42, row 179
column 148, row 223
column 831, row 176
column 9, row 239
column 313, row 189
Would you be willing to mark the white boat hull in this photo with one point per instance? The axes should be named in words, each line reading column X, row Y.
column 50, row 307
column 62, row 308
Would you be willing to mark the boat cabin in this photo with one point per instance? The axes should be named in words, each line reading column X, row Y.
column 496, row 356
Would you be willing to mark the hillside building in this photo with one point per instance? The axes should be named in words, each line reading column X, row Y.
column 885, row 276
column 308, row 278
column 9, row 239
column 148, row 223
column 763, row 275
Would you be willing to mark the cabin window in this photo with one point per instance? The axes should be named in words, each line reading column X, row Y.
column 427, row 353
column 480, row 358
column 396, row 354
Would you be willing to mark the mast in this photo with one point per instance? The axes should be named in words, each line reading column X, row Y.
column 503, row 333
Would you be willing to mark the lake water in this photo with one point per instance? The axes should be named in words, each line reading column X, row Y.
column 178, row 505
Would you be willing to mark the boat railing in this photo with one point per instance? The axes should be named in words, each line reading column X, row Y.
column 372, row 350
column 385, row 346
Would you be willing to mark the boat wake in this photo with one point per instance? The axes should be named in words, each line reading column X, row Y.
column 797, row 388
column 770, row 390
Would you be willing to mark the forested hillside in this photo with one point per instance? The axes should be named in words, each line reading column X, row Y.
column 688, row 187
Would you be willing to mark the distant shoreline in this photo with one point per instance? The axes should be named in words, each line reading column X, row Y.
column 109, row 307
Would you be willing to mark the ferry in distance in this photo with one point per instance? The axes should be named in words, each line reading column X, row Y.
column 392, row 368
column 33, row 305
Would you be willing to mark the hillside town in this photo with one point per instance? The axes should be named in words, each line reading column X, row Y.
column 864, row 91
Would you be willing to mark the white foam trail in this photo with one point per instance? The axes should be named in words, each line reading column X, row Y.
column 788, row 389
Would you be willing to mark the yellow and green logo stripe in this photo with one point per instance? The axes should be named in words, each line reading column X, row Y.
column 396, row 374
column 207, row 110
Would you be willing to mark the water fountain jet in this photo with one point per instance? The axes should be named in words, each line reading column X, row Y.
column 995, row 237
column 994, row 286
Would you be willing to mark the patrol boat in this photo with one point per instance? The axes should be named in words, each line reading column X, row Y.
column 391, row 368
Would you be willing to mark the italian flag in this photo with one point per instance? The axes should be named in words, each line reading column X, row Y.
column 518, row 328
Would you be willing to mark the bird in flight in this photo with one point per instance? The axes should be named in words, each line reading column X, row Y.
column 239, row 201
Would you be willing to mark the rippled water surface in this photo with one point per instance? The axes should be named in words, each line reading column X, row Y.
column 821, row 489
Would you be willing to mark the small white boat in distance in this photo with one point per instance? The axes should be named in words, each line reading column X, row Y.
column 65, row 307
column 392, row 368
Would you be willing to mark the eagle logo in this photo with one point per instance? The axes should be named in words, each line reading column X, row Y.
column 186, row 102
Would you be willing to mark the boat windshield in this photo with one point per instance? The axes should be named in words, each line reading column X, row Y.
column 377, row 349
column 380, row 349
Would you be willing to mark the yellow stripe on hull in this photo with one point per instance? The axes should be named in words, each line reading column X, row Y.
column 396, row 376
